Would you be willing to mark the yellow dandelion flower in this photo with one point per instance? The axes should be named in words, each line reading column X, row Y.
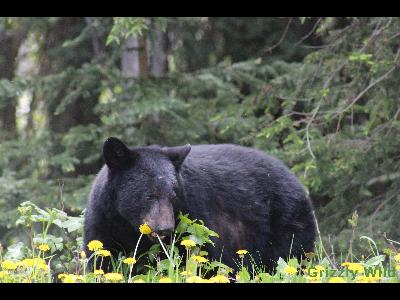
column 336, row 280
column 43, row 267
column 9, row 265
column 26, row 263
column 188, row 243
column 194, row 279
column 165, row 280
column 319, row 268
column 199, row 259
column 290, row 270
column 103, row 253
column 78, row 277
column 83, row 255
column 397, row 257
column 113, row 276
column 367, row 279
column 44, row 247
column 398, row 267
column 32, row 262
column 346, row 264
column 70, row 278
column 139, row 281
column 95, row 245
column 185, row 273
column 219, row 279
column 38, row 261
column 356, row 267
column 145, row 229
column 3, row 274
column 313, row 278
column 370, row 277
column 98, row 272
column 62, row 276
column 129, row 261
column 242, row 252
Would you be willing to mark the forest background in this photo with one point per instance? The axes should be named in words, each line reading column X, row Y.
column 322, row 94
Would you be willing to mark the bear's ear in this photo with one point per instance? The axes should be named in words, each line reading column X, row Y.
column 116, row 155
column 177, row 154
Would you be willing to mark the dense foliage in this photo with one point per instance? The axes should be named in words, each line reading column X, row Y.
column 319, row 93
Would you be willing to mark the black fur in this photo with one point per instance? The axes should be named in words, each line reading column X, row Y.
column 251, row 199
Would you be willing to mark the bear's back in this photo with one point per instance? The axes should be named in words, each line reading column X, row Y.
column 244, row 175
column 229, row 161
column 229, row 155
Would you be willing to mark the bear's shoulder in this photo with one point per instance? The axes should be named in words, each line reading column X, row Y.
column 231, row 153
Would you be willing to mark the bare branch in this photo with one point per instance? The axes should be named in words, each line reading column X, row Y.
column 372, row 84
column 310, row 33
column 282, row 37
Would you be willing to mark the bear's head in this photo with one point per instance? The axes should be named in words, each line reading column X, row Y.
column 144, row 183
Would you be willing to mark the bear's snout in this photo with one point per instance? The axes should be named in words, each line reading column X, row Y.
column 160, row 218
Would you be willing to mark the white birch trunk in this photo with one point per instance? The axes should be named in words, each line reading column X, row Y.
column 130, row 58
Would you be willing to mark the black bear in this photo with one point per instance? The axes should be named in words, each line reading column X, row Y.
column 249, row 198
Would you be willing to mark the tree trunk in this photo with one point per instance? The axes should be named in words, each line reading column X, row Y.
column 80, row 111
column 56, row 59
column 130, row 58
column 159, row 53
column 143, row 57
column 135, row 59
column 10, row 41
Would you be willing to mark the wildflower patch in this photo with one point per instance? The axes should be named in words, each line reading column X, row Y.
column 164, row 264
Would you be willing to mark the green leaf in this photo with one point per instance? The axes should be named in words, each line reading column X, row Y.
column 376, row 260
